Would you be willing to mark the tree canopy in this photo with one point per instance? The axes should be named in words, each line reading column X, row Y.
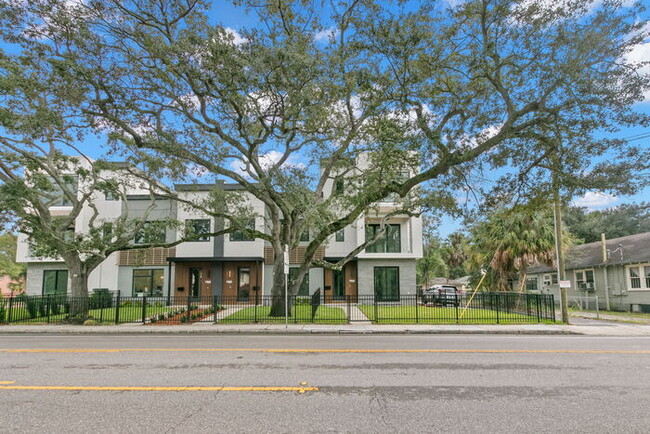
column 398, row 98
column 619, row 221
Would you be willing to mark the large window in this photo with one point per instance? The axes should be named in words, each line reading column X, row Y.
column 550, row 279
column 241, row 235
column 531, row 284
column 340, row 235
column 304, row 286
column 197, row 228
column 389, row 243
column 152, row 232
column 585, row 280
column 639, row 277
column 148, row 282
column 387, row 283
column 55, row 282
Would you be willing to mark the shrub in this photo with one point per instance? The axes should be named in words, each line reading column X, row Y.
column 183, row 319
column 101, row 299
column 153, row 320
column 90, row 322
column 161, row 316
column 31, row 304
column 3, row 311
column 193, row 306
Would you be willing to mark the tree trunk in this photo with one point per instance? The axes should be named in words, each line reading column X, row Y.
column 522, row 282
column 79, row 302
column 277, row 291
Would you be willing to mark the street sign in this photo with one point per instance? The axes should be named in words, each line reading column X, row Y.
column 565, row 284
column 286, row 261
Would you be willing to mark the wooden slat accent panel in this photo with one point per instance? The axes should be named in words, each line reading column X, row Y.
column 296, row 256
column 153, row 256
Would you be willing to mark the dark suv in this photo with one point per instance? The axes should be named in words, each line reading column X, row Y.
column 442, row 295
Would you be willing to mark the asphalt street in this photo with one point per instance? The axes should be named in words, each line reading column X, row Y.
column 361, row 383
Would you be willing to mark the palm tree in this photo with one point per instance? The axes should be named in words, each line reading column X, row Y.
column 511, row 240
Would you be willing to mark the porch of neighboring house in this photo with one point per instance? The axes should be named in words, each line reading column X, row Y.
column 231, row 280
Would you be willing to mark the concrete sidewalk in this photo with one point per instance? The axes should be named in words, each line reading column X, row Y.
column 590, row 328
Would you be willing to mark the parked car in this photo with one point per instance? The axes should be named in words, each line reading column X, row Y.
column 442, row 295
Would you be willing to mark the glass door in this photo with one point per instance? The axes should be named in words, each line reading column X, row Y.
column 243, row 284
column 338, row 285
column 195, row 282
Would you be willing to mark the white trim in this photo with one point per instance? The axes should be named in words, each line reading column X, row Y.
column 642, row 277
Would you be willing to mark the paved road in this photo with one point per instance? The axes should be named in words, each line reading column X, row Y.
column 364, row 384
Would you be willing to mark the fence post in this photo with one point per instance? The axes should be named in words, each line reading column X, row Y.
column 498, row 307
column 11, row 305
column 349, row 299
column 189, row 305
column 47, row 308
column 552, row 297
column 456, row 303
column 417, row 314
column 376, row 310
column 144, row 309
column 257, row 302
column 539, row 306
column 117, row 307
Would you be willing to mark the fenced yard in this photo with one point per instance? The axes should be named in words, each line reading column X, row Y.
column 106, row 308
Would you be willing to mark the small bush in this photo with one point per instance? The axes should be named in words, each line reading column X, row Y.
column 161, row 316
column 153, row 320
column 193, row 306
column 183, row 319
column 3, row 310
column 91, row 322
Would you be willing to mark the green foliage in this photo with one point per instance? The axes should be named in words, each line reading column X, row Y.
column 619, row 221
column 3, row 310
column 510, row 240
column 8, row 265
column 100, row 299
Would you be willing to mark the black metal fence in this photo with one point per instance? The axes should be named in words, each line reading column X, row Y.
column 106, row 308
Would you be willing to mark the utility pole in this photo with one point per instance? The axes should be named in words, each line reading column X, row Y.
column 603, row 240
column 557, row 223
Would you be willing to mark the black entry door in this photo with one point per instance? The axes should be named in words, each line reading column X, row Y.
column 338, row 285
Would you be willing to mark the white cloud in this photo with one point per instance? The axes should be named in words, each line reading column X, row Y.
column 326, row 34
column 641, row 53
column 267, row 160
column 595, row 199
column 237, row 39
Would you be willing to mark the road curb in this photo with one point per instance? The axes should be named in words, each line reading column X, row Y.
column 177, row 330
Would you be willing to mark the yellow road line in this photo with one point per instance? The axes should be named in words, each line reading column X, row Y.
column 7, row 382
column 166, row 388
column 315, row 350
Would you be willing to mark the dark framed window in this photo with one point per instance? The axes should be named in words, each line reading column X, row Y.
column 243, row 236
column 340, row 235
column 389, row 243
column 197, row 227
column 151, row 233
column 55, row 282
column 387, row 283
column 107, row 231
column 304, row 286
column 339, row 186
column 304, row 236
column 110, row 195
column 531, row 284
column 148, row 282
column 71, row 185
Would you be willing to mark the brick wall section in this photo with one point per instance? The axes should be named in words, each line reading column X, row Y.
column 153, row 256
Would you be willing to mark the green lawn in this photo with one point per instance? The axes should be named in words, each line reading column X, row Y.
column 107, row 315
column 299, row 314
column 441, row 315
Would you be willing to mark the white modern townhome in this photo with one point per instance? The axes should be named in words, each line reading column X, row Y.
column 233, row 266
